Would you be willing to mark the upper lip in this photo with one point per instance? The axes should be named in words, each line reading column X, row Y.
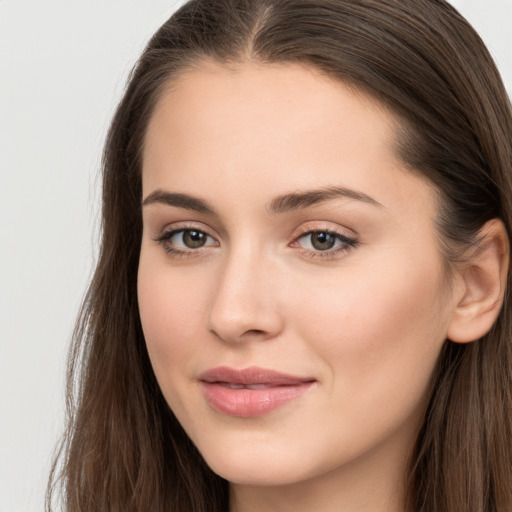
column 251, row 375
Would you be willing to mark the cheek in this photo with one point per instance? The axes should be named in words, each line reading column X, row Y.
column 171, row 309
column 379, row 332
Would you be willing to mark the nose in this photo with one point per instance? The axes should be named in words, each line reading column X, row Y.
column 245, row 303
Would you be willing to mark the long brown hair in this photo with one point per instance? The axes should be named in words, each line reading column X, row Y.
column 123, row 449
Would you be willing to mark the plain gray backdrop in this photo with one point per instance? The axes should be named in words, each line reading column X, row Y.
column 63, row 65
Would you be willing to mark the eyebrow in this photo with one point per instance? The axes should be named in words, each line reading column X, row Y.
column 281, row 204
column 298, row 200
column 178, row 200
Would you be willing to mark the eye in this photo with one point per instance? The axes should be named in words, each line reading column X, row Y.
column 189, row 239
column 325, row 241
column 186, row 240
column 319, row 240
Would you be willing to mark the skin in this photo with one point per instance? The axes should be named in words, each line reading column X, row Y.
column 366, row 321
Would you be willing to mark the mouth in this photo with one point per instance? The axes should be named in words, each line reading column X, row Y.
column 233, row 385
column 251, row 392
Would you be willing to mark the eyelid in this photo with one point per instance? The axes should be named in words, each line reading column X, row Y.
column 314, row 226
column 183, row 226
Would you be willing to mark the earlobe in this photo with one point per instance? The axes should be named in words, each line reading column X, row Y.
column 481, row 285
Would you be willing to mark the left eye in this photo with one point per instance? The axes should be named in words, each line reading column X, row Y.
column 324, row 241
column 188, row 239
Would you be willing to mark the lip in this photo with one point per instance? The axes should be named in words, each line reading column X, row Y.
column 251, row 392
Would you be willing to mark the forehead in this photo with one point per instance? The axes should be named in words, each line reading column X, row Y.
column 277, row 127
column 257, row 103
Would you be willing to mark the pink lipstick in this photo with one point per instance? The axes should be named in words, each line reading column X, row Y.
column 250, row 392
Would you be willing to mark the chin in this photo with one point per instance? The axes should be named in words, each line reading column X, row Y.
column 246, row 472
column 259, row 464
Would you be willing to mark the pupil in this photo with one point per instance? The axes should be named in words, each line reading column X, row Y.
column 323, row 241
column 194, row 239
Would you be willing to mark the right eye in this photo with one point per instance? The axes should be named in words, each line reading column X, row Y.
column 183, row 241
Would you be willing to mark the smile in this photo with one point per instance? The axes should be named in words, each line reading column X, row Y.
column 250, row 392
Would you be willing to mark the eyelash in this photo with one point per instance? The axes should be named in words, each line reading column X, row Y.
column 346, row 243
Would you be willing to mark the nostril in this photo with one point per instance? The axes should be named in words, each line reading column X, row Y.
column 249, row 334
column 254, row 332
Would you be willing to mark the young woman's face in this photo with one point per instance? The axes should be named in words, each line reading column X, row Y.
column 291, row 288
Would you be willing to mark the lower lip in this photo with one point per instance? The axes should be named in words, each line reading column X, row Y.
column 250, row 403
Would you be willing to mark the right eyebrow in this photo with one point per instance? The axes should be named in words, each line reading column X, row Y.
column 179, row 201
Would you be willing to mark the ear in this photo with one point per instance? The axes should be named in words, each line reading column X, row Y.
column 480, row 286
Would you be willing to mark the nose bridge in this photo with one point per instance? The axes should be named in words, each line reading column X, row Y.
column 244, row 303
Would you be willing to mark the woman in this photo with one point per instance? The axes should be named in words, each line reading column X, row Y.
column 300, row 301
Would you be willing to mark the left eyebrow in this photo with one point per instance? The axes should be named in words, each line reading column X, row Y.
column 299, row 200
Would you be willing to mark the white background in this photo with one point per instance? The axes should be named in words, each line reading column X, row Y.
column 63, row 65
